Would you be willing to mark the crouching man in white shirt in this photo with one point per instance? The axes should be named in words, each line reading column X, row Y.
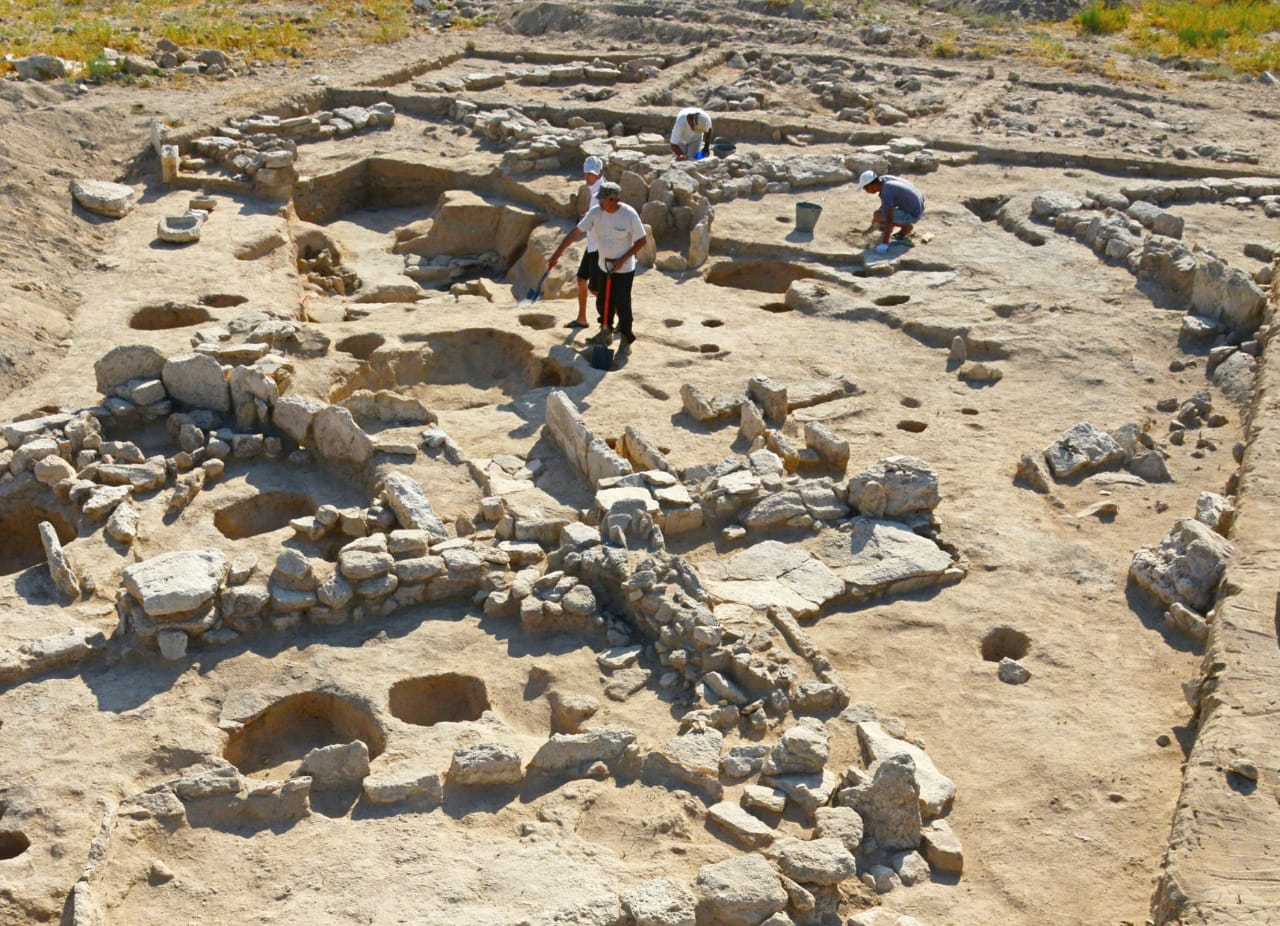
column 691, row 134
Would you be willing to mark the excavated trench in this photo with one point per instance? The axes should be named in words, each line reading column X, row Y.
column 361, row 346
column 223, row 300
column 1004, row 642
column 19, row 526
column 433, row 699
column 13, row 844
column 262, row 514
column 762, row 276
column 293, row 726
column 168, row 315
column 458, row 370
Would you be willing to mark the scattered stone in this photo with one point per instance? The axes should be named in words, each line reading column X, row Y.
column 894, row 487
column 64, row 576
column 742, row 891
column 743, row 828
column 1012, row 672
column 341, row 765
column 824, row 861
column 942, row 847
column 114, row 200
column 180, row 229
column 660, row 902
column 176, row 584
column 1185, row 567
column 486, row 764
column 1083, row 449
column 1186, row 621
column 935, row 789
column 889, row 803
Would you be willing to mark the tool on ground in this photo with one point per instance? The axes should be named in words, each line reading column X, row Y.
column 536, row 293
column 602, row 353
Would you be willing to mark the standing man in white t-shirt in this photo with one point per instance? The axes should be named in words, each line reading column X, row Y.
column 589, row 275
column 620, row 235
column 691, row 134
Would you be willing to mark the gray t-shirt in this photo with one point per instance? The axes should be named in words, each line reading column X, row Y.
column 896, row 193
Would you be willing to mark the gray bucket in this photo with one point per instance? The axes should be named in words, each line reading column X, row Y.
column 807, row 216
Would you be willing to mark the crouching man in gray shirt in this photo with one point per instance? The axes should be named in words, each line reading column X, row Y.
column 901, row 206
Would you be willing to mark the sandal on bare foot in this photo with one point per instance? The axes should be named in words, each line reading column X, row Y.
column 575, row 324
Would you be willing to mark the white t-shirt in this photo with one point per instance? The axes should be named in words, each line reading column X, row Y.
column 682, row 133
column 592, row 244
column 615, row 232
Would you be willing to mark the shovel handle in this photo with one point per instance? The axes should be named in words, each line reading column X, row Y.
column 608, row 296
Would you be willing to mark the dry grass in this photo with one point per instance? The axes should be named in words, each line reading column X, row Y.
column 79, row 30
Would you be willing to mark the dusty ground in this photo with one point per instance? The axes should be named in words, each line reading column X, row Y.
column 1066, row 785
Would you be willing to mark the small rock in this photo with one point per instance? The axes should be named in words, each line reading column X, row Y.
column 1013, row 672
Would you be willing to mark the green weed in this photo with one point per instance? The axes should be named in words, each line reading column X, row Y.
column 1232, row 33
column 1102, row 17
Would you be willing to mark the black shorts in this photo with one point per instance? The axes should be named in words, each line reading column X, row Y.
column 589, row 270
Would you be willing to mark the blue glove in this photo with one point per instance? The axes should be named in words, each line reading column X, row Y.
column 882, row 248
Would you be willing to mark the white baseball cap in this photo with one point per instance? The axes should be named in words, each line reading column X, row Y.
column 702, row 122
column 868, row 176
column 593, row 165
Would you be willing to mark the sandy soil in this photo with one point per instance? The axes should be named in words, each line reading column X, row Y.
column 1066, row 785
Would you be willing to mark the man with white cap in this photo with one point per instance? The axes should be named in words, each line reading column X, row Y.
column 621, row 236
column 589, row 275
column 691, row 134
column 901, row 206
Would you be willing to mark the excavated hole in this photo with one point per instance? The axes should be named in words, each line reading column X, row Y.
column 910, row 402
column 968, row 411
column 985, row 207
column 893, row 300
column 293, row 726
column 168, row 315
column 262, row 514
column 762, row 276
column 912, row 265
column 708, row 348
column 712, row 323
column 19, row 526
column 1003, row 642
column 538, row 321
column 223, row 300
column 459, row 370
column 13, row 844
column 777, row 308
column 433, row 699
column 910, row 424
column 673, row 322
column 361, row 346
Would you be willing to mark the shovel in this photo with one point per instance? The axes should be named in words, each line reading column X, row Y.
column 602, row 354
column 534, row 294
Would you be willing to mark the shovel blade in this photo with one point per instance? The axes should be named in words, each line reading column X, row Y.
column 601, row 357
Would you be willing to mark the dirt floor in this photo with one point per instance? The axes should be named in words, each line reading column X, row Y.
column 1065, row 785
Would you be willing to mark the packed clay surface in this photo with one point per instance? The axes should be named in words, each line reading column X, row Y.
column 339, row 583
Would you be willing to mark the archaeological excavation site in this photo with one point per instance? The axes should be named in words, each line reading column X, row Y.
column 927, row 584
